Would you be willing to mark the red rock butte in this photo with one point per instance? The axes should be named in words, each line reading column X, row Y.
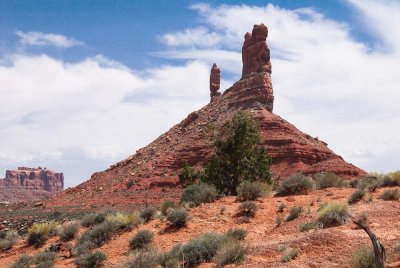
column 26, row 183
column 153, row 169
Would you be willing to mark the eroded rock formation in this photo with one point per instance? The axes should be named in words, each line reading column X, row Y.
column 256, row 72
column 255, row 51
column 193, row 140
column 34, row 178
column 215, row 81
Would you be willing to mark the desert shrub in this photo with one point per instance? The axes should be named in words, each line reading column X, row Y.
column 356, row 196
column 388, row 181
column 295, row 184
column 327, row 179
column 199, row 193
column 309, row 225
column 90, row 260
column 250, row 190
column 333, row 214
column 363, row 257
column 147, row 213
column 278, row 221
column 391, row 194
column 232, row 252
column 165, row 206
column 238, row 156
column 94, row 218
column 141, row 240
column 168, row 260
column 354, row 183
column 40, row 232
column 124, row 221
column 45, row 259
column 68, row 231
column 248, row 209
column 48, row 228
column 99, row 234
column 37, row 239
column 82, row 247
column 178, row 217
column 22, row 262
column 142, row 259
column 281, row 207
column 289, row 254
column 8, row 240
column 294, row 213
column 236, row 234
column 188, row 175
column 199, row 250
column 129, row 184
column 369, row 183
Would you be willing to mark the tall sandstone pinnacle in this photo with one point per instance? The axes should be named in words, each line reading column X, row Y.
column 215, row 81
column 153, row 169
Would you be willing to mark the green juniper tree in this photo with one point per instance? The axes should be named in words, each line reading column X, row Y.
column 238, row 156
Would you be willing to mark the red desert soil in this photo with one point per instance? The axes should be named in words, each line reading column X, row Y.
column 331, row 247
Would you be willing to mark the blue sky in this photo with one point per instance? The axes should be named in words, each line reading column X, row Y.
column 86, row 83
column 126, row 31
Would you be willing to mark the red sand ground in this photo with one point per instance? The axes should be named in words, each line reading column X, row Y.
column 330, row 247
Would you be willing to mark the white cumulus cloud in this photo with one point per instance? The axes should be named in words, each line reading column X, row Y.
column 46, row 39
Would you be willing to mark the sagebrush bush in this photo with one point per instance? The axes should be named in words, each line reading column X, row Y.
column 333, row 214
column 178, row 217
column 327, row 179
column 147, row 213
column 99, row 234
column 248, row 190
column 356, row 196
column 232, row 252
column 165, row 206
column 289, row 255
column 309, row 225
column 40, row 232
column 68, row 231
column 388, row 181
column 142, row 259
column 354, row 183
column 295, row 184
column 141, row 240
column 236, row 234
column 124, row 221
column 294, row 213
column 369, row 183
column 45, row 259
column 90, row 260
column 95, row 218
column 168, row 260
column 199, row 193
column 199, row 250
column 363, row 257
column 82, row 247
column 391, row 194
column 8, row 240
column 22, row 262
column 248, row 209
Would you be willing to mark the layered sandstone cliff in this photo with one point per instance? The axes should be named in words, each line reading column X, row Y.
column 26, row 183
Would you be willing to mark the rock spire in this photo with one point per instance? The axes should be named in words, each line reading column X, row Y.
column 215, row 80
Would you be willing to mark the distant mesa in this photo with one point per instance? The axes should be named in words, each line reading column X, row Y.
column 26, row 183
